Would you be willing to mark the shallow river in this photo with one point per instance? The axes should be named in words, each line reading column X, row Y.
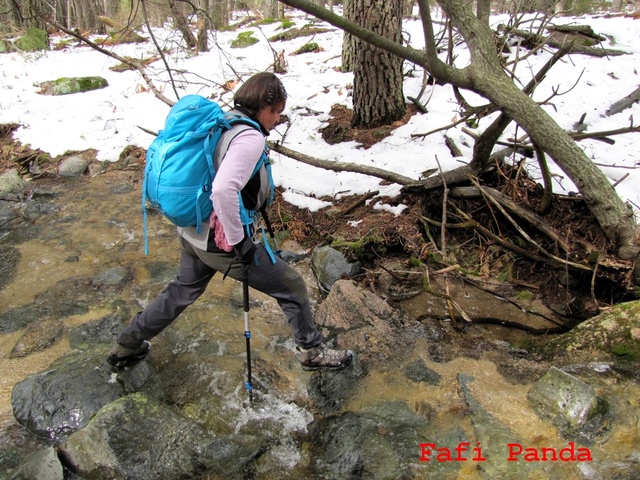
column 91, row 224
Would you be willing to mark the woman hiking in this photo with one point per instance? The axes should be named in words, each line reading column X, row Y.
column 226, row 243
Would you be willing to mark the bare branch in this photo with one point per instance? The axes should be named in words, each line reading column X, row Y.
column 340, row 166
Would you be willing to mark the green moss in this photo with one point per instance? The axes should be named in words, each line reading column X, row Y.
column 34, row 40
column 525, row 295
column 368, row 247
column 266, row 21
column 415, row 262
column 286, row 24
column 6, row 46
column 310, row 47
column 245, row 39
column 77, row 85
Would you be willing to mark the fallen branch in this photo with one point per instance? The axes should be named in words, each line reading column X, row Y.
column 535, row 39
column 356, row 204
column 624, row 103
column 341, row 166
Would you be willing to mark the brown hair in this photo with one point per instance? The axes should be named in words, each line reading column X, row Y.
column 261, row 90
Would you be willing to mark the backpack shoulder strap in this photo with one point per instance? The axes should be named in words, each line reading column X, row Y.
column 238, row 125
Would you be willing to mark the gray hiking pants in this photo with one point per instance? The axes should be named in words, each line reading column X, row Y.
column 197, row 268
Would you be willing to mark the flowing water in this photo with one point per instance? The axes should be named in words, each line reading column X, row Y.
column 84, row 226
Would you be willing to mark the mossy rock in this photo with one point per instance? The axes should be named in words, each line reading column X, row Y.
column 245, row 39
column 69, row 85
column 34, row 40
column 311, row 47
column 612, row 336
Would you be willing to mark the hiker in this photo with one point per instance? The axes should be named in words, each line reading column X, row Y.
column 224, row 245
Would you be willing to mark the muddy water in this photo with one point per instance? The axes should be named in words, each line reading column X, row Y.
column 93, row 224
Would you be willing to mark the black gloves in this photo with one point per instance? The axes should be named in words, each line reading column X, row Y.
column 245, row 250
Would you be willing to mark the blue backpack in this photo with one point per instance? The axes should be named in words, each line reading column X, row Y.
column 179, row 162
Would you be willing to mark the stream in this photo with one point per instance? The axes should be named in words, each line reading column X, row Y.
column 91, row 227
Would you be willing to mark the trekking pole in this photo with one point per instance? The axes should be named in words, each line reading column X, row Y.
column 247, row 332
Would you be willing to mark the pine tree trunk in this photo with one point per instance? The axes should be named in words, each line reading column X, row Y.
column 377, row 85
column 348, row 46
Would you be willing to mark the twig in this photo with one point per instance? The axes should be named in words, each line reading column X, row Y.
column 356, row 204
column 620, row 180
column 545, row 202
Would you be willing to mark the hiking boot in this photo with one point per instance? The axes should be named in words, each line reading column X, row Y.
column 121, row 356
column 323, row 357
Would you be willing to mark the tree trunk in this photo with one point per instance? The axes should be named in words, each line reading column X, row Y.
column 348, row 40
column 182, row 25
column 377, row 84
column 271, row 8
column 617, row 5
column 408, row 8
column 220, row 14
column 204, row 25
column 483, row 10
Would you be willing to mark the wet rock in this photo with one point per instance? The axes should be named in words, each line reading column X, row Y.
column 363, row 322
column 73, row 296
column 419, row 372
column 9, row 260
column 571, row 405
column 136, row 437
column 39, row 336
column 330, row 265
column 379, row 443
column 42, row 465
column 18, row 318
column 230, row 456
column 329, row 389
column 111, row 277
column 161, row 272
column 55, row 403
column 99, row 331
column 73, row 166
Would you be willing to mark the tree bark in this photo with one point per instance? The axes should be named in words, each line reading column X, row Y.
column 181, row 24
column 271, row 8
column 204, row 25
column 348, row 40
column 377, row 84
column 220, row 14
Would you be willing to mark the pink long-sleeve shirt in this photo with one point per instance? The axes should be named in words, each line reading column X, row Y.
column 232, row 175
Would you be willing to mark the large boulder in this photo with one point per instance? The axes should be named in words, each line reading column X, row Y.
column 57, row 402
column 613, row 337
column 139, row 437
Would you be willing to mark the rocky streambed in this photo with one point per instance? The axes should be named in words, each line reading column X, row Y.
column 424, row 398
